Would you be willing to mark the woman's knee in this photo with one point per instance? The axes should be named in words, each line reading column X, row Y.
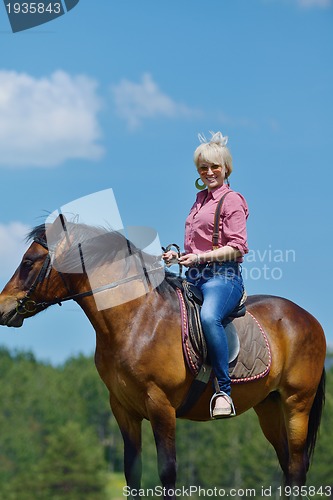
column 209, row 321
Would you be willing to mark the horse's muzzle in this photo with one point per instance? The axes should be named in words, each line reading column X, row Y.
column 9, row 315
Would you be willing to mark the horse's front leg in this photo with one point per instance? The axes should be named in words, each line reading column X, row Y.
column 162, row 417
column 131, row 430
column 132, row 457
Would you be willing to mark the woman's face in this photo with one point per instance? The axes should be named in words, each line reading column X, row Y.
column 211, row 175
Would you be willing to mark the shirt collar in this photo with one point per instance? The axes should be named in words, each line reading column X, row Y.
column 219, row 191
column 214, row 193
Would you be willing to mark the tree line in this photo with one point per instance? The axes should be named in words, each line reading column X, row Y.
column 59, row 439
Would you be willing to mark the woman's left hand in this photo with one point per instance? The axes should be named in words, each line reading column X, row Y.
column 190, row 259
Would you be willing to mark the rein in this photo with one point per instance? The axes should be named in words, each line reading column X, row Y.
column 27, row 305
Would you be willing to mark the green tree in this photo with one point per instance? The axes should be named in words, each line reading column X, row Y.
column 72, row 466
column 58, row 438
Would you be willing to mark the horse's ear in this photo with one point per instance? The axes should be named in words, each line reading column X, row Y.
column 63, row 220
column 56, row 231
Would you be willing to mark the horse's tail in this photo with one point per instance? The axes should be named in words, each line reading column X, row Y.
column 315, row 416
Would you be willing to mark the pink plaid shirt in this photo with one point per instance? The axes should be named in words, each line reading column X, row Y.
column 199, row 224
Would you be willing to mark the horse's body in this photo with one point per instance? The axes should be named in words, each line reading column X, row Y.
column 139, row 357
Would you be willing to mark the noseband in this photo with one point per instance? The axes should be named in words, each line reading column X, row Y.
column 27, row 305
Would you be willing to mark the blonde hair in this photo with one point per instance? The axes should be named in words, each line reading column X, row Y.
column 215, row 151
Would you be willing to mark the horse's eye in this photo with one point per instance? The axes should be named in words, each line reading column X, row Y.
column 27, row 263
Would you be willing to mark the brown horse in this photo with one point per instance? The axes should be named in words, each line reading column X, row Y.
column 139, row 349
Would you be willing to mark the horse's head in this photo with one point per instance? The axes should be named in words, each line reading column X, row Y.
column 33, row 281
column 68, row 261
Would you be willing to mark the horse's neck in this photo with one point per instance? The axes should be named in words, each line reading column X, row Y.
column 110, row 310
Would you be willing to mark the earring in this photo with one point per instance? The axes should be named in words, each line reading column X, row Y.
column 228, row 182
column 200, row 187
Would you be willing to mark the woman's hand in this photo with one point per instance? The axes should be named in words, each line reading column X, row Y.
column 188, row 260
column 170, row 257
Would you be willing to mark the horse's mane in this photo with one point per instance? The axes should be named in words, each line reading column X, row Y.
column 98, row 245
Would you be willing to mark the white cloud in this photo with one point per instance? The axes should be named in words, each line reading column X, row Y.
column 136, row 102
column 46, row 121
column 12, row 247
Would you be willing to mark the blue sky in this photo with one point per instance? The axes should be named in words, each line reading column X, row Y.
column 113, row 95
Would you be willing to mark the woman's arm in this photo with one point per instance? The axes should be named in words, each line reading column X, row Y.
column 219, row 255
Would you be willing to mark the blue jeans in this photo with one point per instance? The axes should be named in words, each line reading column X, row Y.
column 222, row 288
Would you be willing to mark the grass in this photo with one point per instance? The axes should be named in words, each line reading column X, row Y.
column 114, row 488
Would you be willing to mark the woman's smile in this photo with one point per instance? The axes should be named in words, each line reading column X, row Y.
column 212, row 175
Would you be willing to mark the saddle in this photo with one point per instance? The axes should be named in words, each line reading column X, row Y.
column 192, row 298
column 249, row 352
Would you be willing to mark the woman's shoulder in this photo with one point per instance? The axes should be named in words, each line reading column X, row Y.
column 235, row 200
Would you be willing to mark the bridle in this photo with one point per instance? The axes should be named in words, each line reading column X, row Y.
column 27, row 305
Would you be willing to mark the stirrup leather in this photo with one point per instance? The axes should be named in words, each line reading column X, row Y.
column 228, row 398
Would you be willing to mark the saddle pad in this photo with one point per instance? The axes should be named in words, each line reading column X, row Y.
column 254, row 357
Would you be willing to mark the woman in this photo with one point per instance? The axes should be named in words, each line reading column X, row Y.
column 215, row 270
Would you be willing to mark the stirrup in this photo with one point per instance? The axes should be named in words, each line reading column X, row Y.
column 228, row 398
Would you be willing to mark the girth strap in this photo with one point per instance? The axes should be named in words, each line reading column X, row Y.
column 198, row 387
